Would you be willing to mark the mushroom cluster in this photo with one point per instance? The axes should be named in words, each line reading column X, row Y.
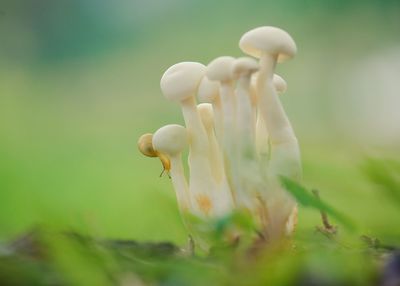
column 239, row 138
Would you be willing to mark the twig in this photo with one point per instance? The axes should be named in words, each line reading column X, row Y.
column 327, row 228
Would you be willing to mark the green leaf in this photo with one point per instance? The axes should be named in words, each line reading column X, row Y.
column 305, row 198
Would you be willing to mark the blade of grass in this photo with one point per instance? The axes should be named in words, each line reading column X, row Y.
column 305, row 198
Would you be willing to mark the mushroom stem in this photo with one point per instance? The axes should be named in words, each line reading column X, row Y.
column 222, row 196
column 229, row 122
column 285, row 155
column 218, row 119
column 246, row 128
column 262, row 143
column 277, row 122
column 197, row 133
column 179, row 182
column 216, row 161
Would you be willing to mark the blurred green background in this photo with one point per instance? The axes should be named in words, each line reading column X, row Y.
column 79, row 83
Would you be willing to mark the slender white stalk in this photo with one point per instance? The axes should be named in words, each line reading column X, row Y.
column 246, row 128
column 262, row 140
column 180, row 184
column 218, row 119
column 229, row 121
column 285, row 154
column 222, row 197
column 197, row 133
column 205, row 111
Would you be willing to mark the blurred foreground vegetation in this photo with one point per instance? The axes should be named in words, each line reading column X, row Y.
column 328, row 254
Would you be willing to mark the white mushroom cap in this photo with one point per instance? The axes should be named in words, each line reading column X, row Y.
column 181, row 80
column 220, row 69
column 170, row 139
column 244, row 66
column 279, row 83
column 208, row 90
column 269, row 40
column 206, row 114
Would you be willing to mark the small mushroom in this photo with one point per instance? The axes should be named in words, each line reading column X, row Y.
column 170, row 141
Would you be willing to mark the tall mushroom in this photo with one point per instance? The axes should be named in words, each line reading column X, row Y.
column 180, row 83
column 171, row 140
column 272, row 45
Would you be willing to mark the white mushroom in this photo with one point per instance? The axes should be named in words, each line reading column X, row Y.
column 272, row 45
column 171, row 140
column 180, row 83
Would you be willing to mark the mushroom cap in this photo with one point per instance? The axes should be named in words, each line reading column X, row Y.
column 220, row 69
column 206, row 114
column 181, row 80
column 279, row 83
column 170, row 139
column 208, row 90
column 145, row 145
column 244, row 66
column 269, row 40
